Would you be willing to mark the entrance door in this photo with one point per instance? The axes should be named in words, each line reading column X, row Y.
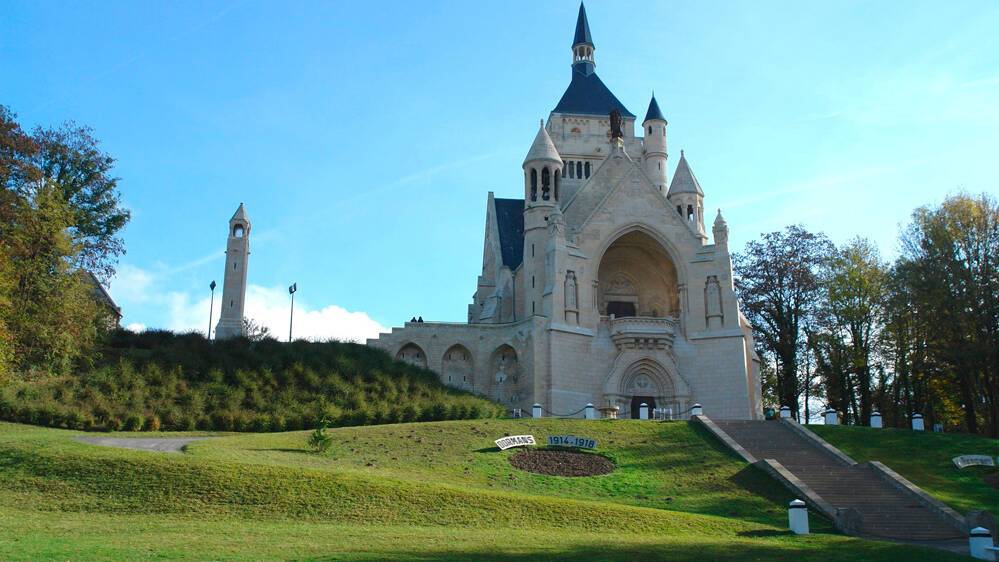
column 620, row 309
column 637, row 401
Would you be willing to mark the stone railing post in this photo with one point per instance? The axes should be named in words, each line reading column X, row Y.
column 876, row 420
column 797, row 517
column 536, row 411
column 917, row 422
column 590, row 412
column 643, row 411
column 785, row 412
column 831, row 417
column 696, row 410
column 980, row 544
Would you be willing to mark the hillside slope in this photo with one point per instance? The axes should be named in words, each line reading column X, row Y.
column 161, row 380
column 431, row 490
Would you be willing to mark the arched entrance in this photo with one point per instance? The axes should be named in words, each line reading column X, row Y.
column 643, row 377
column 637, row 277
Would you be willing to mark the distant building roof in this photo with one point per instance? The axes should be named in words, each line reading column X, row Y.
column 587, row 95
column 510, row 223
column 101, row 294
column 654, row 112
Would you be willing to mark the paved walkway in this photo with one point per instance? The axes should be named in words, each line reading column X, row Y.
column 160, row 444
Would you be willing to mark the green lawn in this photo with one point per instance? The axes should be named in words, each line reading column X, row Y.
column 925, row 459
column 428, row 491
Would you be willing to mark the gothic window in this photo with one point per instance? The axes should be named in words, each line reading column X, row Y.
column 238, row 231
column 650, row 129
column 534, row 184
column 587, row 169
column 545, row 184
column 558, row 176
column 679, row 210
column 579, row 170
column 690, row 212
column 572, row 169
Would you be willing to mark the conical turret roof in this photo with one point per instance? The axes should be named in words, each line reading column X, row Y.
column 684, row 180
column 543, row 148
column 582, row 28
column 240, row 215
column 654, row 112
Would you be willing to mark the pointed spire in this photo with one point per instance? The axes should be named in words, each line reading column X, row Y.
column 543, row 148
column 684, row 180
column 654, row 112
column 720, row 230
column 720, row 221
column 240, row 215
column 582, row 29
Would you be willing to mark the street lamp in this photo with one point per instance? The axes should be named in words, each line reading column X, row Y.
column 291, row 320
column 210, row 307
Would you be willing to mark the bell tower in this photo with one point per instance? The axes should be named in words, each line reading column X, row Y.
column 237, row 256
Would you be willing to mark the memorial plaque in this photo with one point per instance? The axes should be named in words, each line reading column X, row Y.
column 505, row 443
column 572, row 441
column 974, row 460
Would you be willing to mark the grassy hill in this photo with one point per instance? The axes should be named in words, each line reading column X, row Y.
column 925, row 459
column 160, row 380
column 431, row 491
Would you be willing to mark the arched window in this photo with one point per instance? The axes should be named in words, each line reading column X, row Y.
column 238, row 231
column 679, row 210
column 572, row 169
column 650, row 129
column 690, row 212
column 545, row 184
column 587, row 170
column 558, row 176
column 579, row 170
column 534, row 184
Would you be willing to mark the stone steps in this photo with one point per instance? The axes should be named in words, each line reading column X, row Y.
column 886, row 511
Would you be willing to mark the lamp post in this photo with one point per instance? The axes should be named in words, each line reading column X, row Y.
column 210, row 307
column 291, row 319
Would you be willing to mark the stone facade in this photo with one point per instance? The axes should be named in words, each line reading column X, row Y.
column 599, row 286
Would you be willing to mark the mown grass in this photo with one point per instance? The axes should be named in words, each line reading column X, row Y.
column 925, row 458
column 431, row 491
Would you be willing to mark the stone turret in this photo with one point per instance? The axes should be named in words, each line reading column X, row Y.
column 655, row 145
column 686, row 195
column 542, row 178
column 720, row 230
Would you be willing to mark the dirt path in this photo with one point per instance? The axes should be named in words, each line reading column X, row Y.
column 160, row 444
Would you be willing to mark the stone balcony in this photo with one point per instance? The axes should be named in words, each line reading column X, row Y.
column 642, row 332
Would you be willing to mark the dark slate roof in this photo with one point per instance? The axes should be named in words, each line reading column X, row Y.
column 510, row 223
column 582, row 28
column 587, row 95
column 654, row 111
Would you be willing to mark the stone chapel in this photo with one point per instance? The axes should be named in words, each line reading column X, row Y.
column 600, row 285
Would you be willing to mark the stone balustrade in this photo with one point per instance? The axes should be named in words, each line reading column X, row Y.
column 642, row 332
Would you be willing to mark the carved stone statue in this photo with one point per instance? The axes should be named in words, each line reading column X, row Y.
column 615, row 125
column 570, row 291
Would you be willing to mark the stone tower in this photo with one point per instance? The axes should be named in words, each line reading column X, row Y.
column 655, row 145
column 237, row 257
column 686, row 194
column 542, row 186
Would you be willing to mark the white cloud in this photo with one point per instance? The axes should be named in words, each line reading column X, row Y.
column 136, row 289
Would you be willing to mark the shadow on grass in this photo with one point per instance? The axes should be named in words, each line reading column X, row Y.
column 302, row 451
column 741, row 550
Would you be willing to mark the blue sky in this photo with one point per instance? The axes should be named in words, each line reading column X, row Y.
column 363, row 138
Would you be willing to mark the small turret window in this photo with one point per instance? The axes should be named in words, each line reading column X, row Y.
column 558, row 176
column 587, row 167
column 679, row 210
column 238, row 231
column 579, row 170
column 690, row 212
column 650, row 129
column 545, row 184
column 534, row 184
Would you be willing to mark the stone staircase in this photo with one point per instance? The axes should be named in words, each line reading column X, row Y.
column 885, row 510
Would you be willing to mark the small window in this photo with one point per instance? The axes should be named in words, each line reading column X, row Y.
column 572, row 170
column 679, row 210
column 690, row 212
column 532, row 250
column 650, row 129
column 232, row 303
column 238, row 231
column 587, row 170
column 579, row 170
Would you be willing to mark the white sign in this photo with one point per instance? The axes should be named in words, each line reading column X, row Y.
column 572, row 441
column 973, row 460
column 505, row 443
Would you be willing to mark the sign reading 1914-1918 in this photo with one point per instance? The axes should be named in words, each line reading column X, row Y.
column 505, row 443
column 572, row 441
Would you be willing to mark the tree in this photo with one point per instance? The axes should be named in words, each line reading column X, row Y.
column 778, row 282
column 70, row 159
column 254, row 331
column 855, row 284
column 951, row 259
